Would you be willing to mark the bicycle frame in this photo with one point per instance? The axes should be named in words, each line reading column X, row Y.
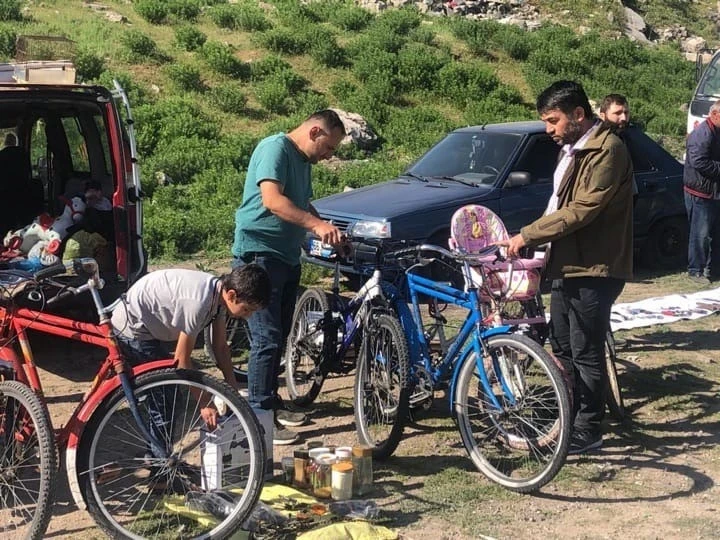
column 462, row 346
column 112, row 374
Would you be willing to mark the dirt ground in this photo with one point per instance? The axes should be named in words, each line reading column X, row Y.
column 655, row 476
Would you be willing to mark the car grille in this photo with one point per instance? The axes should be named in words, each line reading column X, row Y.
column 341, row 224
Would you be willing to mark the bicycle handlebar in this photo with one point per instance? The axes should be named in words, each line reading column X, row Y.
column 459, row 256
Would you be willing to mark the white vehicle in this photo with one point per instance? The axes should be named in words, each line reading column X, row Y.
column 708, row 88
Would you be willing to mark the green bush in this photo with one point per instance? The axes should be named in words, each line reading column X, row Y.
column 170, row 119
column 136, row 93
column 221, row 58
column 268, row 65
column 273, row 94
column 189, row 37
column 229, row 98
column 187, row 10
column 350, row 18
column 418, row 66
column 139, row 48
column 422, row 34
column 411, row 131
column 11, row 10
column 246, row 16
column 181, row 158
column 296, row 14
column 516, row 42
column 492, row 109
column 397, row 21
column 284, row 40
column 308, row 102
column 89, row 66
column 153, row 11
column 7, row 42
column 458, row 82
column 185, row 78
column 324, row 48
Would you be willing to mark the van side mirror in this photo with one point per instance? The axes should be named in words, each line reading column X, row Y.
column 518, row 178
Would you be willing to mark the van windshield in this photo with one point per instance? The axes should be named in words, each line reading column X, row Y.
column 476, row 157
column 710, row 82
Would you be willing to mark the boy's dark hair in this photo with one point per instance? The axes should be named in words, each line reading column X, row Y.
column 564, row 96
column 330, row 118
column 612, row 98
column 251, row 283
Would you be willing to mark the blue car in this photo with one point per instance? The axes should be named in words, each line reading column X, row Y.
column 508, row 168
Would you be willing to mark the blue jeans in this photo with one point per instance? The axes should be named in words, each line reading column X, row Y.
column 704, row 239
column 159, row 402
column 269, row 329
column 579, row 319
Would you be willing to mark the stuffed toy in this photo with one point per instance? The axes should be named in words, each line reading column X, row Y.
column 43, row 253
column 72, row 214
column 25, row 238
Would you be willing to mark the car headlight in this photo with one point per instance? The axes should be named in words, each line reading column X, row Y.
column 370, row 229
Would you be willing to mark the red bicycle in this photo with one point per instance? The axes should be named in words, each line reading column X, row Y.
column 138, row 455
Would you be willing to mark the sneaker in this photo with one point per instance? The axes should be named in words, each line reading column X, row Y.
column 699, row 279
column 584, row 441
column 290, row 418
column 282, row 436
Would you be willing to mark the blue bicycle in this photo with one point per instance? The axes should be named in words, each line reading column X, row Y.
column 507, row 395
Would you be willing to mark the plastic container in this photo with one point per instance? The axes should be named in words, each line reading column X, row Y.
column 342, row 481
column 362, row 470
column 288, row 469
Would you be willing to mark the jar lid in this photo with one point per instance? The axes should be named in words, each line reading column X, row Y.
column 343, row 449
column 325, row 459
column 362, row 451
column 343, row 453
column 315, row 452
column 301, row 454
column 342, row 467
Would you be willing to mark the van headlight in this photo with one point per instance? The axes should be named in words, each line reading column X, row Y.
column 370, row 229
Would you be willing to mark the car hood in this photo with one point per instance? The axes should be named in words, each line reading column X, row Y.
column 399, row 197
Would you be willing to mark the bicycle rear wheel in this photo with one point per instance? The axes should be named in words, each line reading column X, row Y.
column 193, row 493
column 304, row 350
column 522, row 444
column 28, row 463
column 615, row 403
column 382, row 394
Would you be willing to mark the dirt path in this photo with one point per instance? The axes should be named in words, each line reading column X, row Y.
column 655, row 477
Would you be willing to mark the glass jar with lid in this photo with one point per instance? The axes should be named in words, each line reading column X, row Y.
column 322, row 476
column 362, row 469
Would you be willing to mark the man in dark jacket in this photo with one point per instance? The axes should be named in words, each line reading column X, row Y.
column 702, row 198
column 589, row 225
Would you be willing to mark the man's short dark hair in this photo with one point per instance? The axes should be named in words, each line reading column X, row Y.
column 330, row 118
column 251, row 283
column 565, row 96
column 611, row 99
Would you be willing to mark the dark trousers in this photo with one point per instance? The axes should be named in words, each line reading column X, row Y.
column 704, row 238
column 269, row 328
column 160, row 402
column 579, row 320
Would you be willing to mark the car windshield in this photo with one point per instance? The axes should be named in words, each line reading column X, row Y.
column 476, row 157
column 710, row 82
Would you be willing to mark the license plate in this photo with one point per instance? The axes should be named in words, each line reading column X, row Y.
column 316, row 248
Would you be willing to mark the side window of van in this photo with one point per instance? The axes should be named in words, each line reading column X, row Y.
column 76, row 143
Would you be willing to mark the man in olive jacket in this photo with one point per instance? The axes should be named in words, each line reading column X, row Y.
column 589, row 226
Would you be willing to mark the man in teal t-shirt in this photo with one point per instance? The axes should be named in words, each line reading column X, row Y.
column 270, row 226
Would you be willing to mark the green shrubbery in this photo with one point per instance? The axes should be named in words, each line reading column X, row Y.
column 89, row 66
column 154, row 11
column 221, row 58
column 418, row 66
column 229, row 97
column 349, row 17
column 185, row 78
column 284, row 40
column 246, row 16
column 7, row 41
column 139, row 48
column 11, row 10
column 189, row 37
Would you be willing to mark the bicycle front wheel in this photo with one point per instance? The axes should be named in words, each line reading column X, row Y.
column 28, row 463
column 304, row 350
column 615, row 403
column 205, row 487
column 382, row 395
column 521, row 444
